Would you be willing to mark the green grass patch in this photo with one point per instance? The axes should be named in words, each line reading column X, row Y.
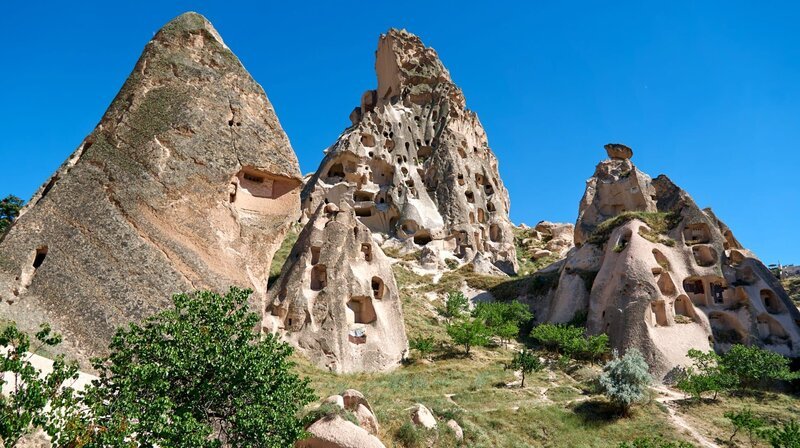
column 282, row 254
column 659, row 222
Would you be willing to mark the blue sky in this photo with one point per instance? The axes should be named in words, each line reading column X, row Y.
column 705, row 92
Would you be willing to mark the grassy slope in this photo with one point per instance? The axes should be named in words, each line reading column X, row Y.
column 792, row 286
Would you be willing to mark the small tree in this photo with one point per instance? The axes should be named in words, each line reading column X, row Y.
column 787, row 435
column 469, row 333
column 424, row 345
column 706, row 374
column 197, row 375
column 526, row 362
column 648, row 442
column 596, row 347
column 455, row 306
column 625, row 379
column 753, row 366
column 503, row 318
column 9, row 210
column 744, row 420
column 34, row 400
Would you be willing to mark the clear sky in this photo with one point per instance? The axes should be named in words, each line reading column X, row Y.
column 705, row 92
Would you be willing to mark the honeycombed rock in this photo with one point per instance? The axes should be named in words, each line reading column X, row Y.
column 336, row 299
column 187, row 182
column 416, row 163
column 656, row 272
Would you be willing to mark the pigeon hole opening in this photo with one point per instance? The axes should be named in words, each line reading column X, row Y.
column 697, row 233
column 422, row 237
column 366, row 249
column 495, row 234
column 360, row 310
column 315, row 251
column 659, row 310
column 378, row 287
column 771, row 302
column 683, row 307
column 319, row 277
column 704, row 255
column 41, row 254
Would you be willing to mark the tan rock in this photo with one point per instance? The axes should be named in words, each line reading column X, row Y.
column 366, row 419
column 353, row 398
column 187, row 182
column 422, row 416
column 456, row 428
column 416, row 164
column 618, row 151
column 693, row 287
column 336, row 299
column 335, row 432
column 338, row 400
column 541, row 253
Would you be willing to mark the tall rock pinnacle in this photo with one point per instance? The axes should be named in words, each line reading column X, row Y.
column 187, row 182
column 416, row 163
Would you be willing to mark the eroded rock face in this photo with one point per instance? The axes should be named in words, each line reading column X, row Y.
column 336, row 299
column 692, row 285
column 416, row 162
column 187, row 182
column 336, row 432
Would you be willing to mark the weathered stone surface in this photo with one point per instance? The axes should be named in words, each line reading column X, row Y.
column 187, row 182
column 422, row 416
column 336, row 299
column 692, row 287
column 336, row 432
column 416, row 163
column 456, row 428
column 618, row 151
column 559, row 237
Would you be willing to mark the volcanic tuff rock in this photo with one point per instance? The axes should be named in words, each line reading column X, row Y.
column 187, row 182
column 656, row 272
column 336, row 299
column 416, row 163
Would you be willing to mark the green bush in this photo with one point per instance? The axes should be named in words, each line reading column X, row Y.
column 625, row 379
column 526, row 362
column 570, row 341
column 706, row 374
column 9, row 210
column 455, row 305
column 503, row 318
column 787, row 435
column 744, row 420
column 753, row 367
column 328, row 411
column 469, row 333
column 650, row 442
column 409, row 436
column 424, row 345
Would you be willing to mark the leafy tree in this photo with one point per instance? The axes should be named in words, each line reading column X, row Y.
column 197, row 375
column 424, row 345
column 707, row 374
column 455, row 305
column 469, row 333
column 596, row 347
column 649, row 442
column 9, row 210
column 785, row 436
column 744, row 420
column 526, row 362
column 571, row 341
column 753, row 366
column 625, row 379
column 34, row 400
column 503, row 318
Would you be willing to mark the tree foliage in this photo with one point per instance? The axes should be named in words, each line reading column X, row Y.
column 9, row 210
column 744, row 420
column 197, row 375
column 753, row 366
column 34, row 400
column 787, row 435
column 625, row 379
column 526, row 362
column 455, row 305
column 571, row 341
column 503, row 318
column 651, row 442
column 706, row 374
column 468, row 333
column 424, row 345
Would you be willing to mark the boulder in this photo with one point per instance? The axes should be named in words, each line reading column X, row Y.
column 336, row 432
column 366, row 419
column 336, row 299
column 618, row 151
column 416, row 163
column 422, row 416
column 187, row 182
column 353, row 398
column 337, row 400
column 456, row 428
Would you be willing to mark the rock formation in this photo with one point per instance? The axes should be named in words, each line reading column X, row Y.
column 187, row 182
column 416, row 163
column 656, row 272
column 336, row 299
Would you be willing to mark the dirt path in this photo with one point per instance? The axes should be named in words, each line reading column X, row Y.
column 668, row 399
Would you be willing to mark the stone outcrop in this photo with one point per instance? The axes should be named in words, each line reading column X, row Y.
column 422, row 416
column 336, row 299
column 333, row 431
column 656, row 272
column 187, row 182
column 416, row 163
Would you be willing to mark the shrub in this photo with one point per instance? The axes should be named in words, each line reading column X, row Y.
column 526, row 362
column 328, row 411
column 650, row 442
column 744, row 420
column 409, row 436
column 706, row 374
column 625, row 379
column 753, row 366
column 424, row 345
column 571, row 341
column 787, row 435
column 503, row 318
column 455, row 305
column 202, row 363
column 469, row 333
column 34, row 400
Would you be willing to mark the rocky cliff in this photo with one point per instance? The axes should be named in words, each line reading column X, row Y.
column 416, row 163
column 656, row 272
column 187, row 182
column 336, row 299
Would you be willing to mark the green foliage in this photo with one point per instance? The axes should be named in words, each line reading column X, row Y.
column 787, row 435
column 455, row 306
column 705, row 375
column 650, row 442
column 753, row 366
column 328, row 411
column 9, row 210
column 570, row 341
column 34, row 400
column 409, row 436
column 194, row 374
column 469, row 333
column 424, row 345
column 744, row 420
column 503, row 318
column 659, row 223
column 625, row 379
column 526, row 362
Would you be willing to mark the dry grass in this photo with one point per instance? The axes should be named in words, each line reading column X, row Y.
column 659, row 222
